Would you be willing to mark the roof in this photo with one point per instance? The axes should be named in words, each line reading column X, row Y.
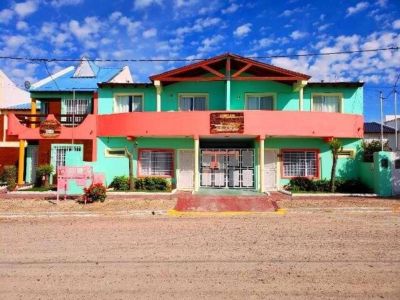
column 374, row 127
column 70, row 79
column 242, row 69
column 21, row 106
column 125, row 84
column 10, row 93
column 336, row 84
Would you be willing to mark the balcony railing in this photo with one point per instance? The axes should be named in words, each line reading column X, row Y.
column 67, row 120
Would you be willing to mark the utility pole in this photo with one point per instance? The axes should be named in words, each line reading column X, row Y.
column 381, row 100
column 395, row 120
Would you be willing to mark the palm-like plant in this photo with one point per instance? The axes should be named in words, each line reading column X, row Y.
column 336, row 146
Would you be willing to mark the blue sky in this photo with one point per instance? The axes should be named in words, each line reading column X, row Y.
column 122, row 29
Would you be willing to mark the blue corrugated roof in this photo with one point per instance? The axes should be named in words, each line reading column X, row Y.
column 374, row 127
column 21, row 106
column 67, row 82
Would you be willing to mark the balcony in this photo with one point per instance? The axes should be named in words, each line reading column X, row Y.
column 66, row 127
column 255, row 123
column 34, row 120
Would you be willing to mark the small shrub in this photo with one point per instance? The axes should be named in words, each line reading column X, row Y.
column 43, row 173
column 95, row 192
column 301, row 184
column 152, row 184
column 321, row 185
column 10, row 177
column 352, row 186
column 120, row 183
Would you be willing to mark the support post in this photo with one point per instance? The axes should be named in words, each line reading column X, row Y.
column 298, row 86
column 33, row 112
column 196, row 163
column 301, row 96
column 381, row 101
column 396, row 130
column 157, row 84
column 21, row 162
column 228, row 83
column 261, row 162
column 95, row 103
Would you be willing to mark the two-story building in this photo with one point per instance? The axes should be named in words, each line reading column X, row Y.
column 225, row 122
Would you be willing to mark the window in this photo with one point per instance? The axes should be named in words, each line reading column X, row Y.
column 128, row 103
column 77, row 107
column 346, row 153
column 326, row 103
column 115, row 152
column 300, row 163
column 156, row 162
column 192, row 102
column 259, row 102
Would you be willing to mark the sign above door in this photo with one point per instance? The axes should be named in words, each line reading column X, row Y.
column 227, row 122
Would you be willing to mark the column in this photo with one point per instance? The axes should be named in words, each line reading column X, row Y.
column 21, row 162
column 95, row 103
column 261, row 162
column 157, row 84
column 196, row 163
column 228, row 95
column 301, row 99
column 33, row 112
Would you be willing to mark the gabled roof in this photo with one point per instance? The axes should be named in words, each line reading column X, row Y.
column 349, row 84
column 70, row 79
column 374, row 127
column 232, row 66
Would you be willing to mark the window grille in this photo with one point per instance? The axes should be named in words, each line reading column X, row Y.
column 76, row 107
column 61, row 152
column 156, row 163
column 300, row 164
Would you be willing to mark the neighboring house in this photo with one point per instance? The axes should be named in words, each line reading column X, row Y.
column 372, row 131
column 225, row 122
column 12, row 100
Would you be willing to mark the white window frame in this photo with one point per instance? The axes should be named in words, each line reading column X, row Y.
column 127, row 94
column 77, row 106
column 193, row 95
column 108, row 150
column 152, row 172
column 306, row 167
column 340, row 95
column 247, row 95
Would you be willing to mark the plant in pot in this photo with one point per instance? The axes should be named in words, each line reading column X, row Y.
column 43, row 173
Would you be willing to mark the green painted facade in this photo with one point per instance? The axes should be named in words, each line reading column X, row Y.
column 62, row 96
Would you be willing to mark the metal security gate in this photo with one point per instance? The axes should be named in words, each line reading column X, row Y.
column 227, row 168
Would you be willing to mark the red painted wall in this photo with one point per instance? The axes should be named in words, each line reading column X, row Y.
column 8, row 156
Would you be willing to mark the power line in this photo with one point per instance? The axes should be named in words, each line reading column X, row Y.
column 34, row 59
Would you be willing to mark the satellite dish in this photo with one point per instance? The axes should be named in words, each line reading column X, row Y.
column 27, row 85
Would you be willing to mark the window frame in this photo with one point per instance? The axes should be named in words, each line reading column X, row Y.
column 247, row 95
column 340, row 95
column 126, row 94
column 346, row 153
column 107, row 153
column 317, row 159
column 139, row 162
column 193, row 95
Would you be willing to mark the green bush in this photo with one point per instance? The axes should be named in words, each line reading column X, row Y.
column 352, row 186
column 95, row 192
column 152, row 184
column 321, row 185
column 43, row 173
column 120, row 183
column 9, row 176
column 301, row 184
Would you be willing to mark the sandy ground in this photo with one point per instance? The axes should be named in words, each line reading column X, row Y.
column 299, row 255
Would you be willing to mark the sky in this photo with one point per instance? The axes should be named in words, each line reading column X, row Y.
column 140, row 29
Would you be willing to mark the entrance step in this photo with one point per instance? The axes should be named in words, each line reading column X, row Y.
column 204, row 203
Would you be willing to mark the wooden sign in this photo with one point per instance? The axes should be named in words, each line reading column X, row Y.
column 229, row 122
column 50, row 128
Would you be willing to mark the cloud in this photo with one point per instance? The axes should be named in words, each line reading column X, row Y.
column 141, row 4
column 396, row 24
column 21, row 25
column 242, row 30
column 6, row 15
column 60, row 3
column 210, row 44
column 198, row 26
column 296, row 35
column 181, row 3
column 356, row 9
column 290, row 12
column 27, row 8
column 230, row 9
column 150, row 33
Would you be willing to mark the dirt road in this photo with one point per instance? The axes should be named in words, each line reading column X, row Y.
column 303, row 254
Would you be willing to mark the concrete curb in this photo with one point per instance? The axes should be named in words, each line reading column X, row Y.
column 333, row 195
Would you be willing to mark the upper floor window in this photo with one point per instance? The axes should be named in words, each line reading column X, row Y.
column 189, row 102
column 128, row 103
column 259, row 102
column 327, row 103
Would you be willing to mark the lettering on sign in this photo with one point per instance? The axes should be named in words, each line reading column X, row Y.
column 232, row 122
column 50, row 129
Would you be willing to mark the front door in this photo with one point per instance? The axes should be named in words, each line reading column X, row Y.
column 186, row 169
column 396, row 173
column 227, row 168
column 270, row 157
column 31, row 163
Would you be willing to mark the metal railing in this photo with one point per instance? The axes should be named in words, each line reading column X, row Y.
column 67, row 120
